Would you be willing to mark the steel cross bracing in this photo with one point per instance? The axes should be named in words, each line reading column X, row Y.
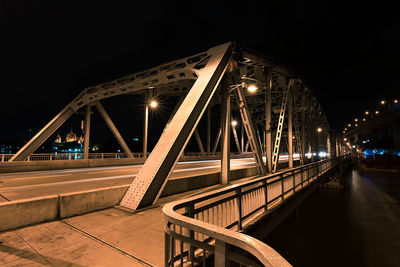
column 195, row 79
column 250, row 131
column 278, row 137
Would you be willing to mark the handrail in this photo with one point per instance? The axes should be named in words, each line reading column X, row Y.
column 211, row 220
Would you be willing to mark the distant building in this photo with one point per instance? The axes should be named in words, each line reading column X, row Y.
column 72, row 143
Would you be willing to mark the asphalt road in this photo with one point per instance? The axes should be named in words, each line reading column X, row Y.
column 23, row 185
column 15, row 186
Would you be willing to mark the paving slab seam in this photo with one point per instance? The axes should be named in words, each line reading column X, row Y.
column 2, row 196
column 40, row 255
column 107, row 244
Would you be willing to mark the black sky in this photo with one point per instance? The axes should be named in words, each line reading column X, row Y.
column 51, row 50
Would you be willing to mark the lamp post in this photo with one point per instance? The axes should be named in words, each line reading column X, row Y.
column 153, row 104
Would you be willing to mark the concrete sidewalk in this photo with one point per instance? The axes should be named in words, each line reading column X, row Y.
column 110, row 237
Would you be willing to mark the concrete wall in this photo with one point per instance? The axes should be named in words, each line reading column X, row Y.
column 24, row 212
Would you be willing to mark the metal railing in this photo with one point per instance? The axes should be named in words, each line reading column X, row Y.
column 209, row 224
column 76, row 155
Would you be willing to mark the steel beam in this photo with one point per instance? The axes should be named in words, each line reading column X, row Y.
column 279, row 130
column 250, row 130
column 43, row 134
column 113, row 129
column 145, row 130
column 226, row 134
column 217, row 141
column 290, row 126
column 208, row 130
column 236, row 138
column 86, row 142
column 199, row 143
column 152, row 178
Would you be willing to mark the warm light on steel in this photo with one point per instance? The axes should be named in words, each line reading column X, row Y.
column 153, row 104
column 234, row 123
column 252, row 88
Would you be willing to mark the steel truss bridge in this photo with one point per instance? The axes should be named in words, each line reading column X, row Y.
column 283, row 112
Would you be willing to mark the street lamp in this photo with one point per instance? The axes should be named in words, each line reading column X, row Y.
column 355, row 120
column 319, row 129
column 395, row 101
column 383, row 102
column 152, row 104
column 366, row 112
column 377, row 112
column 252, row 88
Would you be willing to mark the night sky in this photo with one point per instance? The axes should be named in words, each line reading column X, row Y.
column 51, row 50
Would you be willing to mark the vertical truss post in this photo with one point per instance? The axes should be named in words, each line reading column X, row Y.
column 268, row 109
column 113, row 129
column 87, row 132
column 236, row 138
column 217, row 141
column 152, row 178
column 303, row 126
column 209, row 130
column 226, row 137
column 299, row 145
column 145, row 131
column 290, row 126
column 328, row 144
column 43, row 134
column 242, row 139
column 337, row 147
column 247, row 146
column 278, row 137
column 250, row 130
column 199, row 143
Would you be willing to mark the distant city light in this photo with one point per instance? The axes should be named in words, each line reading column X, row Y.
column 322, row 154
column 349, row 125
column 383, row 102
column 356, row 119
column 353, row 146
column 234, row 123
column 363, row 119
column 395, row 101
column 377, row 112
column 252, row 88
column 356, row 125
column 319, row 129
column 366, row 112
column 345, row 139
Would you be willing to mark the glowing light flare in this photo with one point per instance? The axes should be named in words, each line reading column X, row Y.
column 153, row 104
column 234, row 123
column 377, row 112
column 366, row 112
column 319, row 129
column 383, row 102
column 395, row 101
column 355, row 119
column 349, row 125
column 252, row 88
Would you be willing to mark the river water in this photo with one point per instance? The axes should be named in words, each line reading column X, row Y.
column 355, row 226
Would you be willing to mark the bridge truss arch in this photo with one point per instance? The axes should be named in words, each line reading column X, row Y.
column 281, row 116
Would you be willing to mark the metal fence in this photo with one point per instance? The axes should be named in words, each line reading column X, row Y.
column 206, row 228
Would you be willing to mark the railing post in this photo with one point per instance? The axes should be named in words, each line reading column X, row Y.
column 266, row 195
column 283, row 190
column 239, row 197
column 220, row 253
column 2, row 158
column 190, row 213
column 167, row 249
column 29, row 158
column 294, row 181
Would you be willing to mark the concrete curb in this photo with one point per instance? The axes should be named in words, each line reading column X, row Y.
column 24, row 212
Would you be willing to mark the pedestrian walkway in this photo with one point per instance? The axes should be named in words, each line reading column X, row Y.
column 110, row 237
